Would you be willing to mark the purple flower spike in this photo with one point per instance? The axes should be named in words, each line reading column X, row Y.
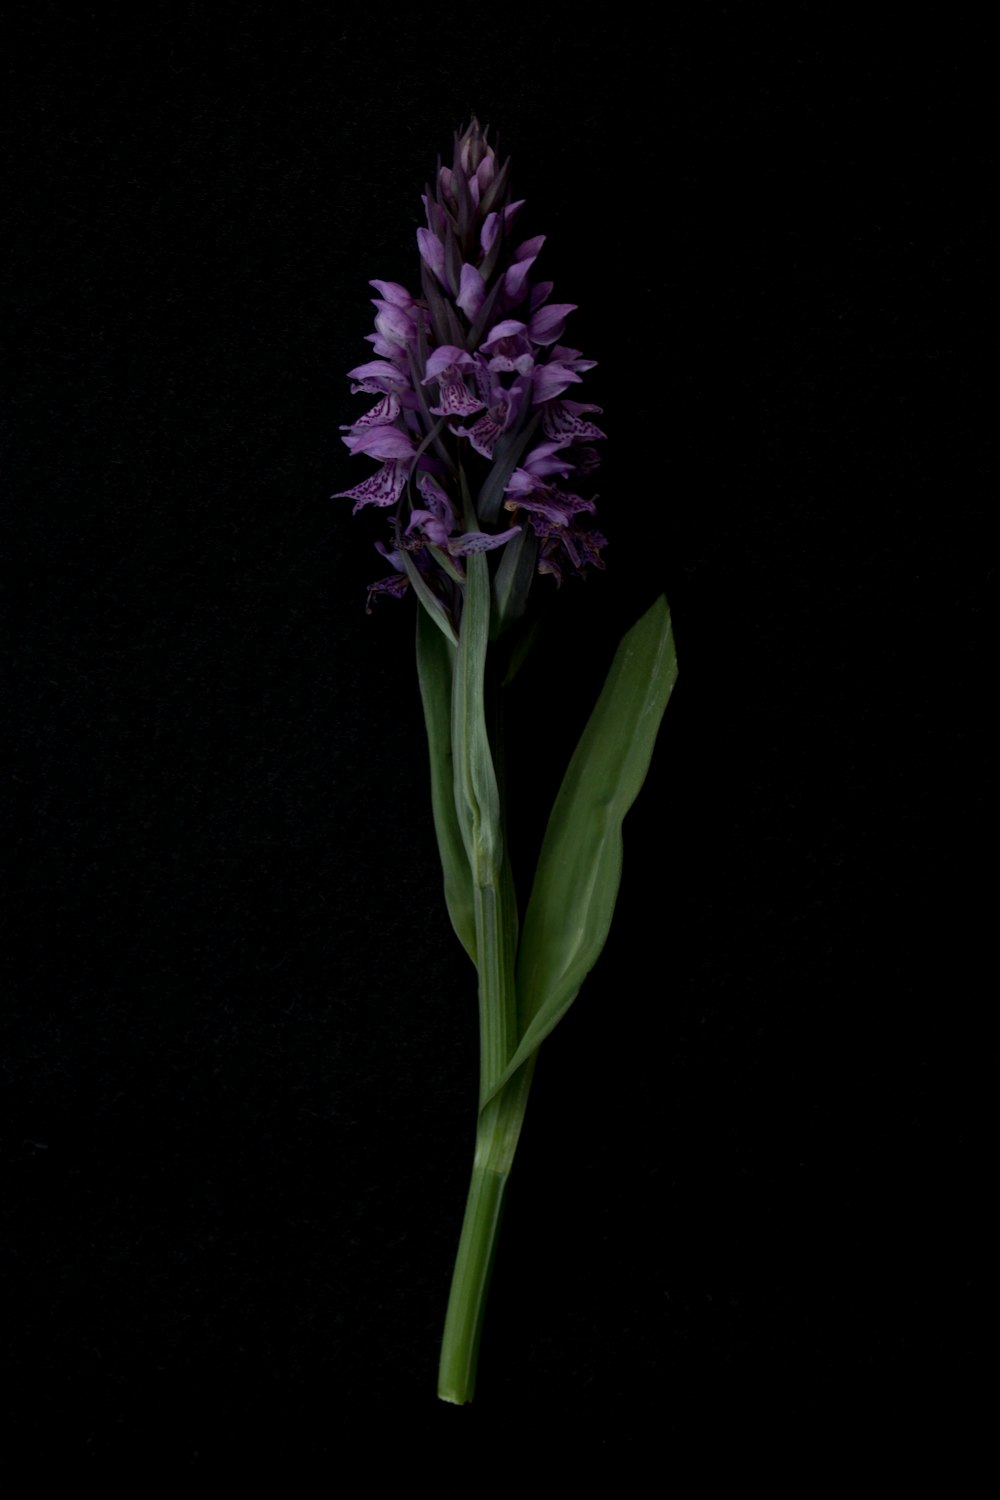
column 470, row 382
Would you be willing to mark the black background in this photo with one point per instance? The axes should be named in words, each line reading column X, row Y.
column 240, row 1078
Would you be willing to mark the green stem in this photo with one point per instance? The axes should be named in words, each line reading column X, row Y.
column 477, row 756
column 496, row 1141
column 498, row 949
column 496, row 939
column 478, row 806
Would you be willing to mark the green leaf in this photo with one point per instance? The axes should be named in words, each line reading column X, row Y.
column 435, row 669
column 477, row 795
column 477, row 804
column 579, row 868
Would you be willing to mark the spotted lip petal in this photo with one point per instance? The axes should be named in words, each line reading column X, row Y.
column 383, row 412
column 563, row 419
column 382, row 488
column 437, row 521
column 503, row 406
column 481, row 541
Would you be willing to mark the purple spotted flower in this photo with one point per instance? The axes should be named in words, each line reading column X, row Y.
column 474, row 420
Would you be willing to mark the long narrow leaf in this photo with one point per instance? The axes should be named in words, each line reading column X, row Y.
column 477, row 796
column 477, row 805
column 435, row 669
column 579, row 868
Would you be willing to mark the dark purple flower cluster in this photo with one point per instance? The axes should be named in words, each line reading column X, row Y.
column 471, row 416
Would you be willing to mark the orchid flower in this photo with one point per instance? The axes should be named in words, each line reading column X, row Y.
column 481, row 451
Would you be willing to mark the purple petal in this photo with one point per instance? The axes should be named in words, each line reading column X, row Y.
column 504, row 406
column 562, row 419
column 395, row 325
column 383, row 347
column 580, row 546
column 551, row 380
column 480, row 541
column 572, row 358
column 482, row 434
column 432, row 253
column 489, row 232
column 384, row 487
column 589, row 542
column 548, row 323
column 508, row 347
column 529, row 250
column 379, row 376
column 586, row 460
column 436, row 217
column 383, row 412
column 549, row 508
column 393, row 292
column 430, row 525
column 444, row 358
column 381, row 442
column 456, row 400
column 437, row 500
column 515, row 281
column 395, row 586
column 547, row 563
column 521, row 483
column 539, row 293
column 509, row 328
column 544, row 459
column 522, row 363
column 471, row 291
